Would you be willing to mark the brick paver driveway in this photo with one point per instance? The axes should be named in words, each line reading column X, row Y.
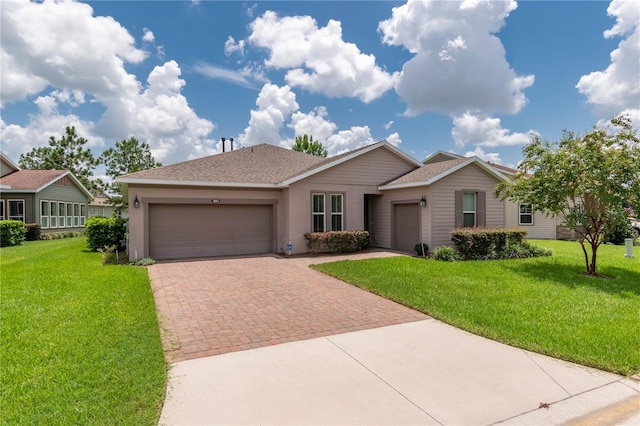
column 210, row 307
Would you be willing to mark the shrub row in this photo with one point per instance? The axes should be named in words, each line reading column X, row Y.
column 478, row 243
column 12, row 233
column 337, row 241
column 33, row 232
column 60, row 235
column 104, row 231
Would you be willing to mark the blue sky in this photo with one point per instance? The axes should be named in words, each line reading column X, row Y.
column 471, row 77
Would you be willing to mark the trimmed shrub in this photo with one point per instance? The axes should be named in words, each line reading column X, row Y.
column 337, row 241
column 104, row 231
column 12, row 233
column 485, row 243
column 145, row 261
column 33, row 232
column 446, row 254
column 421, row 249
column 59, row 235
column 619, row 233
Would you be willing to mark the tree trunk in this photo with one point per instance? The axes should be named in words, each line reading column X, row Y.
column 594, row 251
column 586, row 255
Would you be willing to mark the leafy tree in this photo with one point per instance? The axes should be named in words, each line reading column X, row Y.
column 128, row 156
column 67, row 153
column 306, row 144
column 587, row 181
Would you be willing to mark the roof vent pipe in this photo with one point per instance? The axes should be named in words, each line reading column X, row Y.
column 223, row 139
column 231, row 140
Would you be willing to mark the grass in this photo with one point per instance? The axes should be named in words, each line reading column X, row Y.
column 545, row 304
column 80, row 340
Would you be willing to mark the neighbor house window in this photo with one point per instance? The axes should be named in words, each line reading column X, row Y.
column 525, row 215
column 69, row 215
column 16, row 210
column 469, row 209
column 61, row 207
column 83, row 213
column 317, row 212
column 336, row 212
column 1, row 209
column 44, row 214
column 53, row 208
column 76, row 214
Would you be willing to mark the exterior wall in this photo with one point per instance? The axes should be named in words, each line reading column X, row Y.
column 5, row 168
column 383, row 215
column 138, row 217
column 63, row 191
column 29, row 210
column 543, row 227
column 354, row 179
column 442, row 202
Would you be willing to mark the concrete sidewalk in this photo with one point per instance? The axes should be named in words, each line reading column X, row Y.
column 423, row 372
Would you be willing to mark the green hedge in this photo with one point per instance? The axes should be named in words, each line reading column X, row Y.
column 104, row 231
column 12, row 232
column 337, row 241
column 484, row 243
column 33, row 232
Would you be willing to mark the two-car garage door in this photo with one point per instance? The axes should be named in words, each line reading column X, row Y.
column 180, row 231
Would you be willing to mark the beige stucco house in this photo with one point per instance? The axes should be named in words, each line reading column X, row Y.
column 258, row 199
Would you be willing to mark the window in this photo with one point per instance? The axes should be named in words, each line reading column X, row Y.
column 336, row 212
column 61, row 215
column 16, row 210
column 83, row 213
column 317, row 212
column 44, row 214
column 69, row 215
column 53, row 208
column 525, row 216
column 1, row 209
column 76, row 214
column 469, row 209
column 92, row 210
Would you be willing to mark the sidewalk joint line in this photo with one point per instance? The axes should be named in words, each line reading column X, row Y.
column 545, row 372
column 382, row 380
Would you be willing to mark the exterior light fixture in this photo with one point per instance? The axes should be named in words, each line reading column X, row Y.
column 423, row 202
column 136, row 202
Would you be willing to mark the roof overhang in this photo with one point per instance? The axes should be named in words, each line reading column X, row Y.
column 163, row 182
column 435, row 154
column 472, row 160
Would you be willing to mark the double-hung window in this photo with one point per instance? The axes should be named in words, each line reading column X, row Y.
column 336, row 212
column 76, row 215
column 525, row 215
column 469, row 212
column 61, row 207
column 16, row 210
column 317, row 212
column 44, row 214
column 53, row 208
column 69, row 215
column 83, row 213
column 1, row 209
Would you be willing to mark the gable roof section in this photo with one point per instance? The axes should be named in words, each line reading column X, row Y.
column 34, row 181
column 441, row 156
column 433, row 172
column 259, row 166
column 8, row 162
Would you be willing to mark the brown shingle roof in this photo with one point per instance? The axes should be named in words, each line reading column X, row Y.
column 260, row 164
column 428, row 171
column 30, row 180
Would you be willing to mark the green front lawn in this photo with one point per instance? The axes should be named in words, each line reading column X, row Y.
column 542, row 304
column 79, row 340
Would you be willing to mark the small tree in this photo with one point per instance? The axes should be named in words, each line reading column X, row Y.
column 585, row 180
column 305, row 143
column 128, row 156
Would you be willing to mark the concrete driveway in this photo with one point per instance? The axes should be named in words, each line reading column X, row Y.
column 294, row 346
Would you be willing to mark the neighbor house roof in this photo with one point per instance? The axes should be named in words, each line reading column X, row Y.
column 433, row 172
column 8, row 161
column 441, row 156
column 32, row 181
column 261, row 165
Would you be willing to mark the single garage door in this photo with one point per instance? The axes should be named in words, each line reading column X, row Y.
column 178, row 231
column 406, row 226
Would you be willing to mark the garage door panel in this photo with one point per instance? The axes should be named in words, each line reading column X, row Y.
column 188, row 231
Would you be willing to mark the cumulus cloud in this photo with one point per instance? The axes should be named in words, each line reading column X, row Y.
column 617, row 88
column 320, row 61
column 470, row 129
column 492, row 157
column 231, row 46
column 314, row 123
column 459, row 63
column 147, row 35
column 346, row 140
column 81, row 56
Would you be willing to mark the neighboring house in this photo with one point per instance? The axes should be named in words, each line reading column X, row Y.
column 258, row 199
column 100, row 206
column 55, row 199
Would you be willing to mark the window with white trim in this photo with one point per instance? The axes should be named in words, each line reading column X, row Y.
column 69, row 215
column 469, row 212
column 15, row 210
column 83, row 214
column 525, row 214
column 1, row 209
column 61, row 211
column 53, row 208
column 317, row 212
column 76, row 214
column 336, row 212
column 44, row 214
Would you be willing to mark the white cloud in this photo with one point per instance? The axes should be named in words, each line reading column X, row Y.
column 459, row 63
column 147, row 35
column 470, row 129
column 231, row 46
column 492, row 157
column 319, row 59
column 218, row 73
column 346, row 140
column 394, row 139
column 79, row 56
column 618, row 86
column 313, row 123
column 275, row 104
column 388, row 125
